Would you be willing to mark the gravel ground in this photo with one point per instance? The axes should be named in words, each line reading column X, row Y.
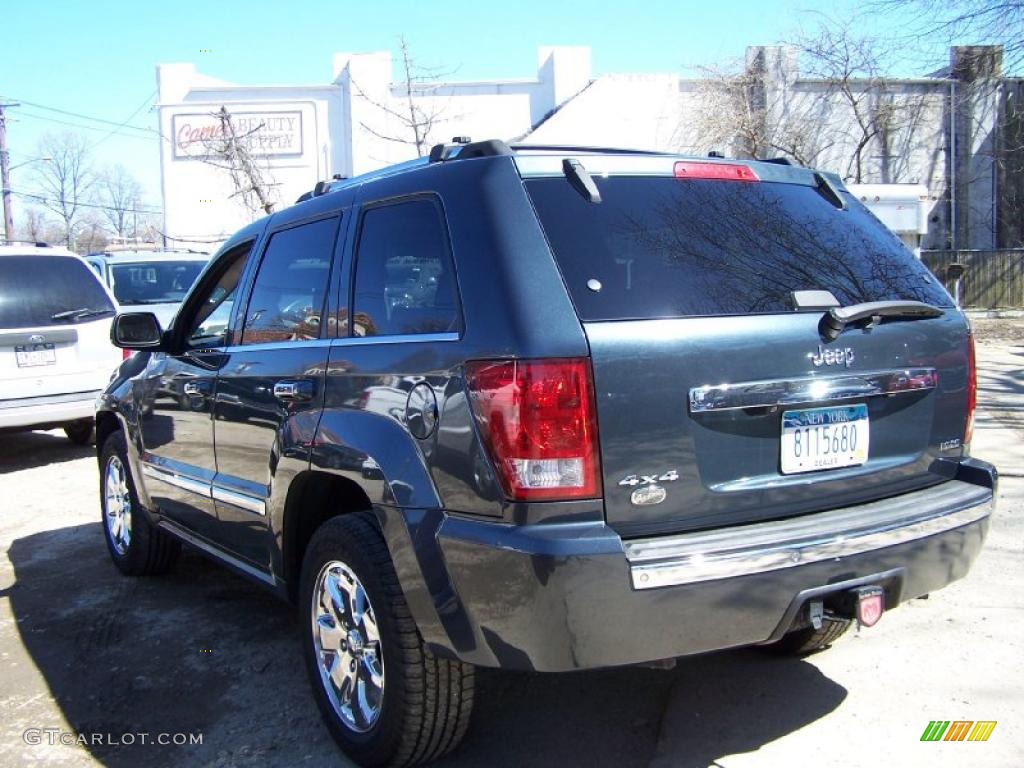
column 200, row 651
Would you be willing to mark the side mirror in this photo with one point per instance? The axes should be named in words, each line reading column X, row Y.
column 137, row 331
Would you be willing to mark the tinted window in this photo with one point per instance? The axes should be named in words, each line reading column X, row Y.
column 660, row 247
column 288, row 296
column 209, row 324
column 404, row 277
column 154, row 282
column 41, row 290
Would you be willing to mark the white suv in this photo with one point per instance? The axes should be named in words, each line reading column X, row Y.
column 55, row 350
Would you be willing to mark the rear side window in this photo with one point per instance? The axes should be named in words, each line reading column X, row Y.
column 42, row 290
column 288, row 296
column 405, row 283
column 663, row 247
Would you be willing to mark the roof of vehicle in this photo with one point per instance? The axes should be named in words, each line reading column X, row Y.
column 155, row 256
column 545, row 160
column 28, row 248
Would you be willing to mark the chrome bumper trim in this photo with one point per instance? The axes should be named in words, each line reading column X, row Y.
column 240, row 500
column 762, row 547
column 768, row 393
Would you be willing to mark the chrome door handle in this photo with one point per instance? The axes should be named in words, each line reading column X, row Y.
column 293, row 391
column 198, row 388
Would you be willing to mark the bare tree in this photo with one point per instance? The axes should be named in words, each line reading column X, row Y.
column 952, row 21
column 230, row 151
column 416, row 114
column 35, row 225
column 840, row 112
column 92, row 233
column 740, row 114
column 119, row 192
column 66, row 180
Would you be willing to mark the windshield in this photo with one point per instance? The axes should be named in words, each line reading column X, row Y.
column 154, row 282
column 662, row 247
column 41, row 290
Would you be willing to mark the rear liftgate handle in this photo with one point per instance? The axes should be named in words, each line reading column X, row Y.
column 293, row 391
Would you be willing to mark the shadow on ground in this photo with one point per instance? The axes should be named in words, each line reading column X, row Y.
column 28, row 450
column 202, row 651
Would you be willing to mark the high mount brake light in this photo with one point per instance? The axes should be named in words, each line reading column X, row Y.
column 972, row 390
column 538, row 421
column 714, row 171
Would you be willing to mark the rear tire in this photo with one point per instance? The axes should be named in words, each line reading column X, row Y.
column 409, row 706
column 80, row 432
column 801, row 642
column 135, row 545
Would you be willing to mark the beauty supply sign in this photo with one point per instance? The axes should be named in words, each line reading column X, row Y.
column 262, row 133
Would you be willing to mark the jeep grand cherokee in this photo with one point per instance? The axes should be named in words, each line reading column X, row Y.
column 551, row 409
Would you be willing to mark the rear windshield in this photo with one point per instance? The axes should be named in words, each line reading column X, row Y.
column 45, row 290
column 163, row 282
column 661, row 247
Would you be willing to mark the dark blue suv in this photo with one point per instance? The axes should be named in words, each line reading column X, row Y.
column 550, row 409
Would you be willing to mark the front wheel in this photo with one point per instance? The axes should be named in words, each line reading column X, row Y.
column 136, row 547
column 387, row 700
column 80, row 432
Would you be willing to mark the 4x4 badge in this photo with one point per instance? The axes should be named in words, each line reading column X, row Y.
column 631, row 480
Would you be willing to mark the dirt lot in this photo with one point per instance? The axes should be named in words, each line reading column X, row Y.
column 86, row 651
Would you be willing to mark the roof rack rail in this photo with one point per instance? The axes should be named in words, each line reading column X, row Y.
column 34, row 243
column 777, row 160
column 462, row 148
column 595, row 150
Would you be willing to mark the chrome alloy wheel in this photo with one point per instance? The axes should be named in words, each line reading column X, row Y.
column 117, row 505
column 347, row 646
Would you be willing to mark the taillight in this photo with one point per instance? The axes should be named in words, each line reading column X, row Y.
column 685, row 169
column 539, row 423
column 972, row 390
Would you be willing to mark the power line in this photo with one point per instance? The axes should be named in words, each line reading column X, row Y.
column 52, row 201
column 125, row 123
column 44, row 118
column 92, row 118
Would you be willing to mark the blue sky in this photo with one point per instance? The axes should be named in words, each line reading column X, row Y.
column 98, row 58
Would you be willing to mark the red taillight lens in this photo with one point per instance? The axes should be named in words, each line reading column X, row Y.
column 972, row 390
column 538, row 420
column 714, row 171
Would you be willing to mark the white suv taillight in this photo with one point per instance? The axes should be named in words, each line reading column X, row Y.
column 538, row 421
column 972, row 390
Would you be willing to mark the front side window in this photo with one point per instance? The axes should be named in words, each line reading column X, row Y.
column 288, row 296
column 209, row 324
column 405, row 281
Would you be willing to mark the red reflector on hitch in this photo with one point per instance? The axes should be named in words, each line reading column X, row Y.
column 685, row 169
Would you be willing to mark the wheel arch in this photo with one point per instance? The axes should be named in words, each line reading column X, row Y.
column 313, row 498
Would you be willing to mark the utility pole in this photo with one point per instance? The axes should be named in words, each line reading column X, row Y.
column 5, row 178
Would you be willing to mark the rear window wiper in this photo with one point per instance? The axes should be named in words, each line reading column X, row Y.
column 80, row 313
column 835, row 321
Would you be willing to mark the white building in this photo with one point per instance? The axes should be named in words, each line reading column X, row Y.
column 298, row 135
column 945, row 132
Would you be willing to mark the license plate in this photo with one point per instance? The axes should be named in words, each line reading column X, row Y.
column 824, row 438
column 35, row 354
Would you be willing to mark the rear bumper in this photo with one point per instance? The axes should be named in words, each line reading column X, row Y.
column 47, row 411
column 554, row 597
